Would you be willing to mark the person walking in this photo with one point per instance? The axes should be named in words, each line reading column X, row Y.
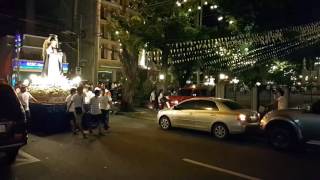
column 95, row 110
column 152, row 99
column 282, row 102
column 25, row 97
column 70, row 110
column 105, row 106
column 160, row 99
column 78, row 102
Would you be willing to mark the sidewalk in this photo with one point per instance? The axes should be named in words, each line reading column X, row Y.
column 141, row 113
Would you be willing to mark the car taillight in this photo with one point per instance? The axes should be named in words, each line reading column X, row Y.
column 242, row 117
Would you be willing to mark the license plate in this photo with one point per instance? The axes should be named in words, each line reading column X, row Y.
column 2, row 128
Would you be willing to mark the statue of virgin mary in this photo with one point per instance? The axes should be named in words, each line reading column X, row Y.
column 53, row 58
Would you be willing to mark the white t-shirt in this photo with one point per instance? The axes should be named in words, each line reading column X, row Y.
column 152, row 96
column 88, row 95
column 160, row 97
column 282, row 103
column 78, row 100
column 105, row 102
column 24, row 98
column 68, row 101
column 95, row 105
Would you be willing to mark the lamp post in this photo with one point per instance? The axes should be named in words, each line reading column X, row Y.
column 235, row 82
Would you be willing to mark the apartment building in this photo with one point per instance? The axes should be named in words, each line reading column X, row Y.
column 100, row 48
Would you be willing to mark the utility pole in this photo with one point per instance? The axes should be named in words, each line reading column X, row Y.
column 199, row 24
column 78, row 42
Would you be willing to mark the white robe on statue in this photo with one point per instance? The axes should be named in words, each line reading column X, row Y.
column 54, row 66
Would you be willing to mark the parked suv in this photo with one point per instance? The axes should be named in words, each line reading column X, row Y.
column 13, row 133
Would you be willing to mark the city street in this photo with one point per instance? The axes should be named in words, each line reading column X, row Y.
column 137, row 148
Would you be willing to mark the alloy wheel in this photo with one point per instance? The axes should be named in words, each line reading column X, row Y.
column 220, row 131
column 164, row 123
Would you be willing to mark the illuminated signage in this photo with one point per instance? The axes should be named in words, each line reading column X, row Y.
column 33, row 66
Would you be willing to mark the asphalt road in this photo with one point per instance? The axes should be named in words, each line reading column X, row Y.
column 138, row 149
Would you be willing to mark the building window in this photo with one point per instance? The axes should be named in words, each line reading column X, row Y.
column 114, row 53
column 104, row 52
column 105, row 33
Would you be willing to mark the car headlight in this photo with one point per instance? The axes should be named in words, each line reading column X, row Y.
column 242, row 117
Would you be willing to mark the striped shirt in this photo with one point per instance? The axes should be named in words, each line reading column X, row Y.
column 95, row 106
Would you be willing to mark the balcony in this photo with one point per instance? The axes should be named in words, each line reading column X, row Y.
column 111, row 3
column 109, row 41
column 109, row 63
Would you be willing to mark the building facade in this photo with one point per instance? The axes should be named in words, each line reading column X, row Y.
column 100, row 48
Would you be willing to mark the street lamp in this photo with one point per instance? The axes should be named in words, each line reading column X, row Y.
column 161, row 77
column 258, row 84
column 223, row 76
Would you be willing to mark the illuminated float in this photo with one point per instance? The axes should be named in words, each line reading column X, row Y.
column 45, row 78
column 46, row 81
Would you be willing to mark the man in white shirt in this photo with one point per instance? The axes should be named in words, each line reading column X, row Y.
column 70, row 110
column 95, row 110
column 282, row 101
column 25, row 97
column 78, row 102
column 88, row 95
column 105, row 106
column 152, row 99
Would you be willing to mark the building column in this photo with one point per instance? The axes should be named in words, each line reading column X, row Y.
column 220, row 89
column 254, row 98
column 114, row 75
column 97, row 45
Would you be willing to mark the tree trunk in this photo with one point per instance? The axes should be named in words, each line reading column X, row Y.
column 130, row 69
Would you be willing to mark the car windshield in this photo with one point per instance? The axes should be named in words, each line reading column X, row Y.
column 232, row 105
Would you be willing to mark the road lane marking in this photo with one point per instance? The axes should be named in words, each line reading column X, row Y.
column 220, row 169
column 25, row 158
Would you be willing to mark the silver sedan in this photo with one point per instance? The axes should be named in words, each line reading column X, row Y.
column 221, row 117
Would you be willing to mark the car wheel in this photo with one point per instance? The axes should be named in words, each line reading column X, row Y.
column 164, row 123
column 11, row 155
column 282, row 138
column 220, row 131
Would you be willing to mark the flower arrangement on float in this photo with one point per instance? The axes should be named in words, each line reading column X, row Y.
column 49, row 91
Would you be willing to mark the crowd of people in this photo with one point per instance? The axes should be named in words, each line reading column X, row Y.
column 86, row 106
column 159, row 99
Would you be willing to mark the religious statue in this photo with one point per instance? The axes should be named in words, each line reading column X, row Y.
column 53, row 58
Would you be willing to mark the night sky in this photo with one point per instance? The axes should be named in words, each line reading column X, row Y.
column 268, row 14
column 48, row 15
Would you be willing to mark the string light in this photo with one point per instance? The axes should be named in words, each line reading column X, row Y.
column 224, row 53
column 220, row 18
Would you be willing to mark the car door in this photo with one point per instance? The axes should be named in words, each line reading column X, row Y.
column 182, row 115
column 310, row 125
column 205, row 114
